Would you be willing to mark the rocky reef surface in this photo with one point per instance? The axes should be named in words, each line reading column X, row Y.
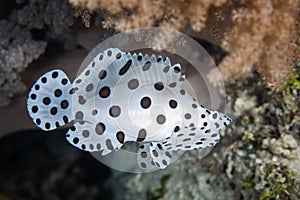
column 257, row 158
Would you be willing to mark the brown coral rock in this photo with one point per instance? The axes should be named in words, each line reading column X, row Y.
column 261, row 37
column 128, row 14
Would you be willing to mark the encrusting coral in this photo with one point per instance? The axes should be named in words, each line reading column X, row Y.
column 261, row 34
column 54, row 17
column 17, row 50
column 24, row 34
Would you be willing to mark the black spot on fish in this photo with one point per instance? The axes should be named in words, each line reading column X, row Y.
column 125, row 68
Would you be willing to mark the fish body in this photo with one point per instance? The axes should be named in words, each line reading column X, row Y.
column 122, row 97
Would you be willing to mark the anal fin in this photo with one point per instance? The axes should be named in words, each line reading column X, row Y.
column 152, row 155
column 189, row 138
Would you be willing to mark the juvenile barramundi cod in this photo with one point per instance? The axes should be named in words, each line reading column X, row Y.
column 122, row 97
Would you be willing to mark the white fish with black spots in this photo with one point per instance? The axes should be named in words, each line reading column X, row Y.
column 122, row 97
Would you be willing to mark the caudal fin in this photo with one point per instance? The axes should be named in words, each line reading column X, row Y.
column 49, row 100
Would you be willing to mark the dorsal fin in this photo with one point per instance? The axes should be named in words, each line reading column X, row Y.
column 153, row 69
column 119, row 67
column 49, row 100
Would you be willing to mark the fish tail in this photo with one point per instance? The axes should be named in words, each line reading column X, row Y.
column 49, row 100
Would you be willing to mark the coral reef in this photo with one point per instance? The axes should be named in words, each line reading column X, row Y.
column 18, row 49
column 260, row 34
column 257, row 158
column 24, row 34
column 128, row 14
column 54, row 17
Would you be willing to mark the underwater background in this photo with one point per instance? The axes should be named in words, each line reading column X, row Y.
column 256, row 46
